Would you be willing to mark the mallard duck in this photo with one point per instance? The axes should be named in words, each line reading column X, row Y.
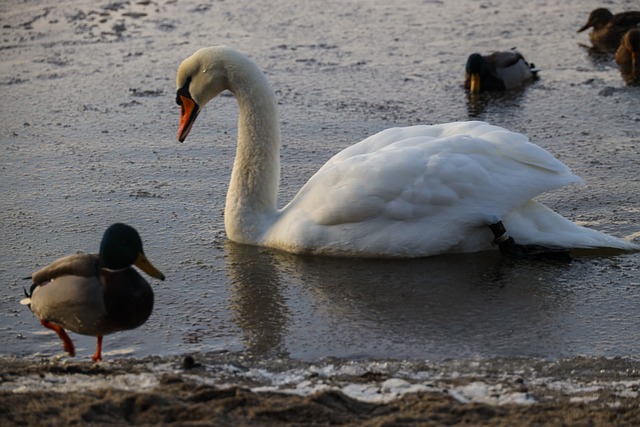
column 498, row 71
column 95, row 294
column 608, row 28
column 403, row 192
column 628, row 53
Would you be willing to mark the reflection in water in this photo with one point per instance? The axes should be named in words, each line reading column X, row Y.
column 257, row 302
column 477, row 103
column 438, row 307
column 599, row 60
column 630, row 76
column 603, row 61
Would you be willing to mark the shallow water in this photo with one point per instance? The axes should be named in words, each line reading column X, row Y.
column 88, row 138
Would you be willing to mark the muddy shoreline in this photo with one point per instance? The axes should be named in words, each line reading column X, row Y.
column 217, row 390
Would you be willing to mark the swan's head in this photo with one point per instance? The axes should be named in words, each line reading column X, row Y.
column 201, row 77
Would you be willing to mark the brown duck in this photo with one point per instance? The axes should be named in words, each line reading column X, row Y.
column 628, row 53
column 608, row 28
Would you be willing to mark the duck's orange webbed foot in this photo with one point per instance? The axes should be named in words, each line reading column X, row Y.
column 98, row 354
column 67, row 344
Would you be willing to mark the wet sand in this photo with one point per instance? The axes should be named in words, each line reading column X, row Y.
column 193, row 390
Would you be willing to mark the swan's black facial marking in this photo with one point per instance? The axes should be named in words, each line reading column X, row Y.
column 184, row 91
column 189, row 110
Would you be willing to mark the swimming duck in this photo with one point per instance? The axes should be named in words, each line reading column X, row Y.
column 608, row 28
column 628, row 53
column 95, row 294
column 404, row 192
column 498, row 71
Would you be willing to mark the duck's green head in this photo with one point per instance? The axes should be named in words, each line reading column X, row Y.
column 476, row 67
column 121, row 247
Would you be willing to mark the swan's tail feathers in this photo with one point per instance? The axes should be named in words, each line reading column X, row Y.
column 534, row 223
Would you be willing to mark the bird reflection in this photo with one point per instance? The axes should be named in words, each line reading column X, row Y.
column 257, row 301
column 600, row 60
column 464, row 304
column 477, row 103
column 630, row 77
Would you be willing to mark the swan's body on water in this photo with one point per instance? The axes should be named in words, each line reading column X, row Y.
column 404, row 192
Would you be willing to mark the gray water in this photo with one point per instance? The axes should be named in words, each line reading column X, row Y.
column 88, row 138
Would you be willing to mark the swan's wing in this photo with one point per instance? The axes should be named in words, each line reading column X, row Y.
column 478, row 171
column 385, row 138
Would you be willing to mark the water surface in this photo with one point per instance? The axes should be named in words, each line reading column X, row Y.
column 88, row 138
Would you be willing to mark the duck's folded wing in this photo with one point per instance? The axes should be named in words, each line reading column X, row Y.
column 510, row 67
column 504, row 59
column 82, row 265
column 625, row 19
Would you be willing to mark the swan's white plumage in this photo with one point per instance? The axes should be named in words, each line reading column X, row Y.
column 404, row 192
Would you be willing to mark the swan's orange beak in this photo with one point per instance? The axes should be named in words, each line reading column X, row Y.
column 188, row 112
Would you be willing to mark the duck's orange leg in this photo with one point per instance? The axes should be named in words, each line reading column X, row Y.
column 98, row 355
column 66, row 341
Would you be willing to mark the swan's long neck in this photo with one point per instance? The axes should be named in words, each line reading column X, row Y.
column 253, row 190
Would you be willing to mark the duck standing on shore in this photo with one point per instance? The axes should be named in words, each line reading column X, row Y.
column 95, row 294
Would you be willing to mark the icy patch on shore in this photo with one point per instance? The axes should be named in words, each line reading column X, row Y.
column 65, row 383
column 491, row 382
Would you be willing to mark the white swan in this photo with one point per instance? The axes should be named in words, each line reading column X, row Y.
column 404, row 192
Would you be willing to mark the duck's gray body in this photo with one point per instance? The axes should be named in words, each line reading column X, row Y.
column 75, row 293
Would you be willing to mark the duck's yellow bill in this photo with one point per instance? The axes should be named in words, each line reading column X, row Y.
column 475, row 83
column 145, row 265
